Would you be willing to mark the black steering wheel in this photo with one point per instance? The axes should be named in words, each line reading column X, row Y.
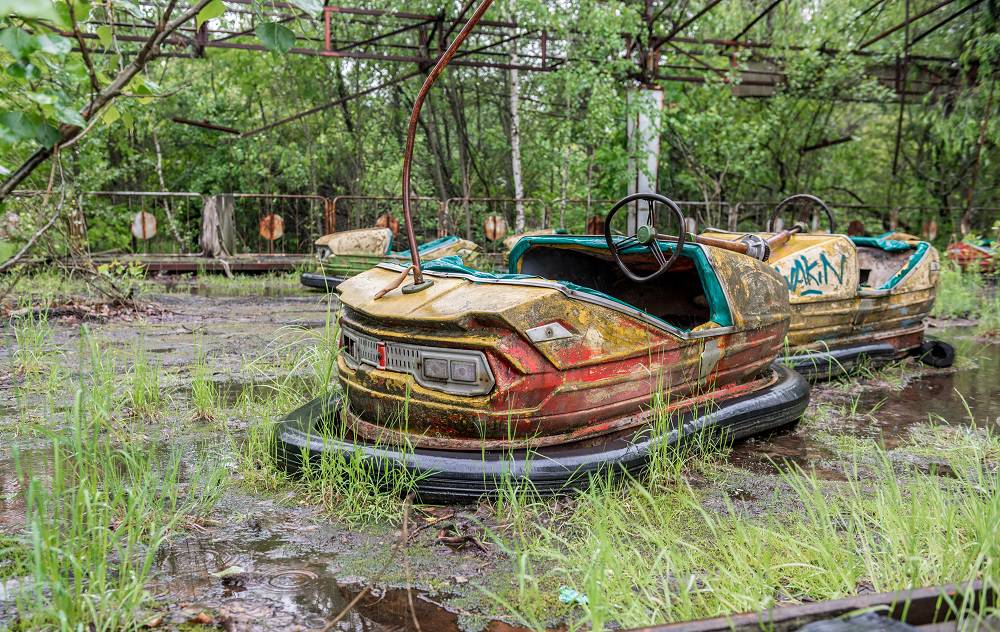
column 800, row 197
column 645, row 235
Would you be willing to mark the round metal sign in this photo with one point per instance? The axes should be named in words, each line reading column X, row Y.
column 272, row 226
column 495, row 227
column 386, row 220
column 144, row 225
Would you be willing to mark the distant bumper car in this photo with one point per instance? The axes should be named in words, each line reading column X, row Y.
column 854, row 300
column 342, row 255
column 980, row 255
column 471, row 380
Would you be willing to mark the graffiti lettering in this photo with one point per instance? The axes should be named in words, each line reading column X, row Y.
column 809, row 273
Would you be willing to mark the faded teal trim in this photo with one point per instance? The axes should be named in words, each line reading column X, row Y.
column 915, row 259
column 423, row 249
column 718, row 305
column 888, row 245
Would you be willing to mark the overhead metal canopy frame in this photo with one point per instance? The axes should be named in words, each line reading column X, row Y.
column 753, row 69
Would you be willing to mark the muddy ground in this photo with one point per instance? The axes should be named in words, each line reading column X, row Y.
column 268, row 561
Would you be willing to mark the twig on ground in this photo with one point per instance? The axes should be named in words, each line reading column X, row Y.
column 406, row 561
column 396, row 548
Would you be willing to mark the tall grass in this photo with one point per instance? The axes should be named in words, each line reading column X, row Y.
column 143, row 391
column 671, row 553
column 95, row 519
column 959, row 294
column 204, row 392
column 348, row 484
column 989, row 316
column 101, row 397
column 32, row 336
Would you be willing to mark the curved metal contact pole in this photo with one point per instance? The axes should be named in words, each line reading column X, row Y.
column 418, row 277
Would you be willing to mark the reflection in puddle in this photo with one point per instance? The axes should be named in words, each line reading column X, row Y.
column 938, row 396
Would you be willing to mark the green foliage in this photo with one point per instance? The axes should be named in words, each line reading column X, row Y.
column 959, row 294
column 275, row 37
column 716, row 145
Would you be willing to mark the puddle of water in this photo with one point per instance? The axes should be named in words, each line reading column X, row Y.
column 275, row 583
column 935, row 396
column 236, row 289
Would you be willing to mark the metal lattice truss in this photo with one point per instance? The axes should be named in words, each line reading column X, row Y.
column 752, row 69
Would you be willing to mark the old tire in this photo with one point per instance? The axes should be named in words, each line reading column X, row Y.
column 463, row 476
column 936, row 353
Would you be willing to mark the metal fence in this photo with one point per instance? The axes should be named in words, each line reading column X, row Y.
column 105, row 217
column 302, row 217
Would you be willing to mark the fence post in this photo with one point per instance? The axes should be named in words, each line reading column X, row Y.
column 218, row 235
column 329, row 215
column 468, row 218
column 442, row 217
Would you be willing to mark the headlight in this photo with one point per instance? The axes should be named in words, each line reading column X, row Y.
column 456, row 371
column 436, row 369
column 463, row 371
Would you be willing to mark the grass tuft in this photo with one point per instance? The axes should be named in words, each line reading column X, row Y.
column 204, row 392
column 96, row 517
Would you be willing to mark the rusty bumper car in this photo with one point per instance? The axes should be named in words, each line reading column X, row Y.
column 591, row 353
column 854, row 300
column 344, row 254
column 976, row 255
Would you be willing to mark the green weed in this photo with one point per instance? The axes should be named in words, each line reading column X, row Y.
column 102, row 400
column 144, row 393
column 989, row 317
column 32, row 337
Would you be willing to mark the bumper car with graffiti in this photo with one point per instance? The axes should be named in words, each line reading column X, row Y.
column 342, row 255
column 591, row 353
column 854, row 300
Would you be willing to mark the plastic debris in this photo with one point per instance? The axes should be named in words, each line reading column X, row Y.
column 573, row 596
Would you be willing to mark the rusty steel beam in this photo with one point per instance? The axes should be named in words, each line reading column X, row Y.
column 683, row 25
column 375, row 38
column 825, row 143
column 405, row 15
column 760, row 16
column 330, row 104
column 205, row 125
column 905, row 23
column 946, row 20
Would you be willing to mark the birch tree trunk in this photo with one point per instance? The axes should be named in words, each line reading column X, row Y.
column 163, row 187
column 515, row 140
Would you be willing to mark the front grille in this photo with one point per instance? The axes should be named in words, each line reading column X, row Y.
column 363, row 348
column 359, row 348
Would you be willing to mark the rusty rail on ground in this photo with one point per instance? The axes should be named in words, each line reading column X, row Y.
column 916, row 606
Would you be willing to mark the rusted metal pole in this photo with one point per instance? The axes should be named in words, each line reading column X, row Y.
column 411, row 132
column 904, row 24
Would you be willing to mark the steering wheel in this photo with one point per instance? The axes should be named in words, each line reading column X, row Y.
column 645, row 235
column 796, row 198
